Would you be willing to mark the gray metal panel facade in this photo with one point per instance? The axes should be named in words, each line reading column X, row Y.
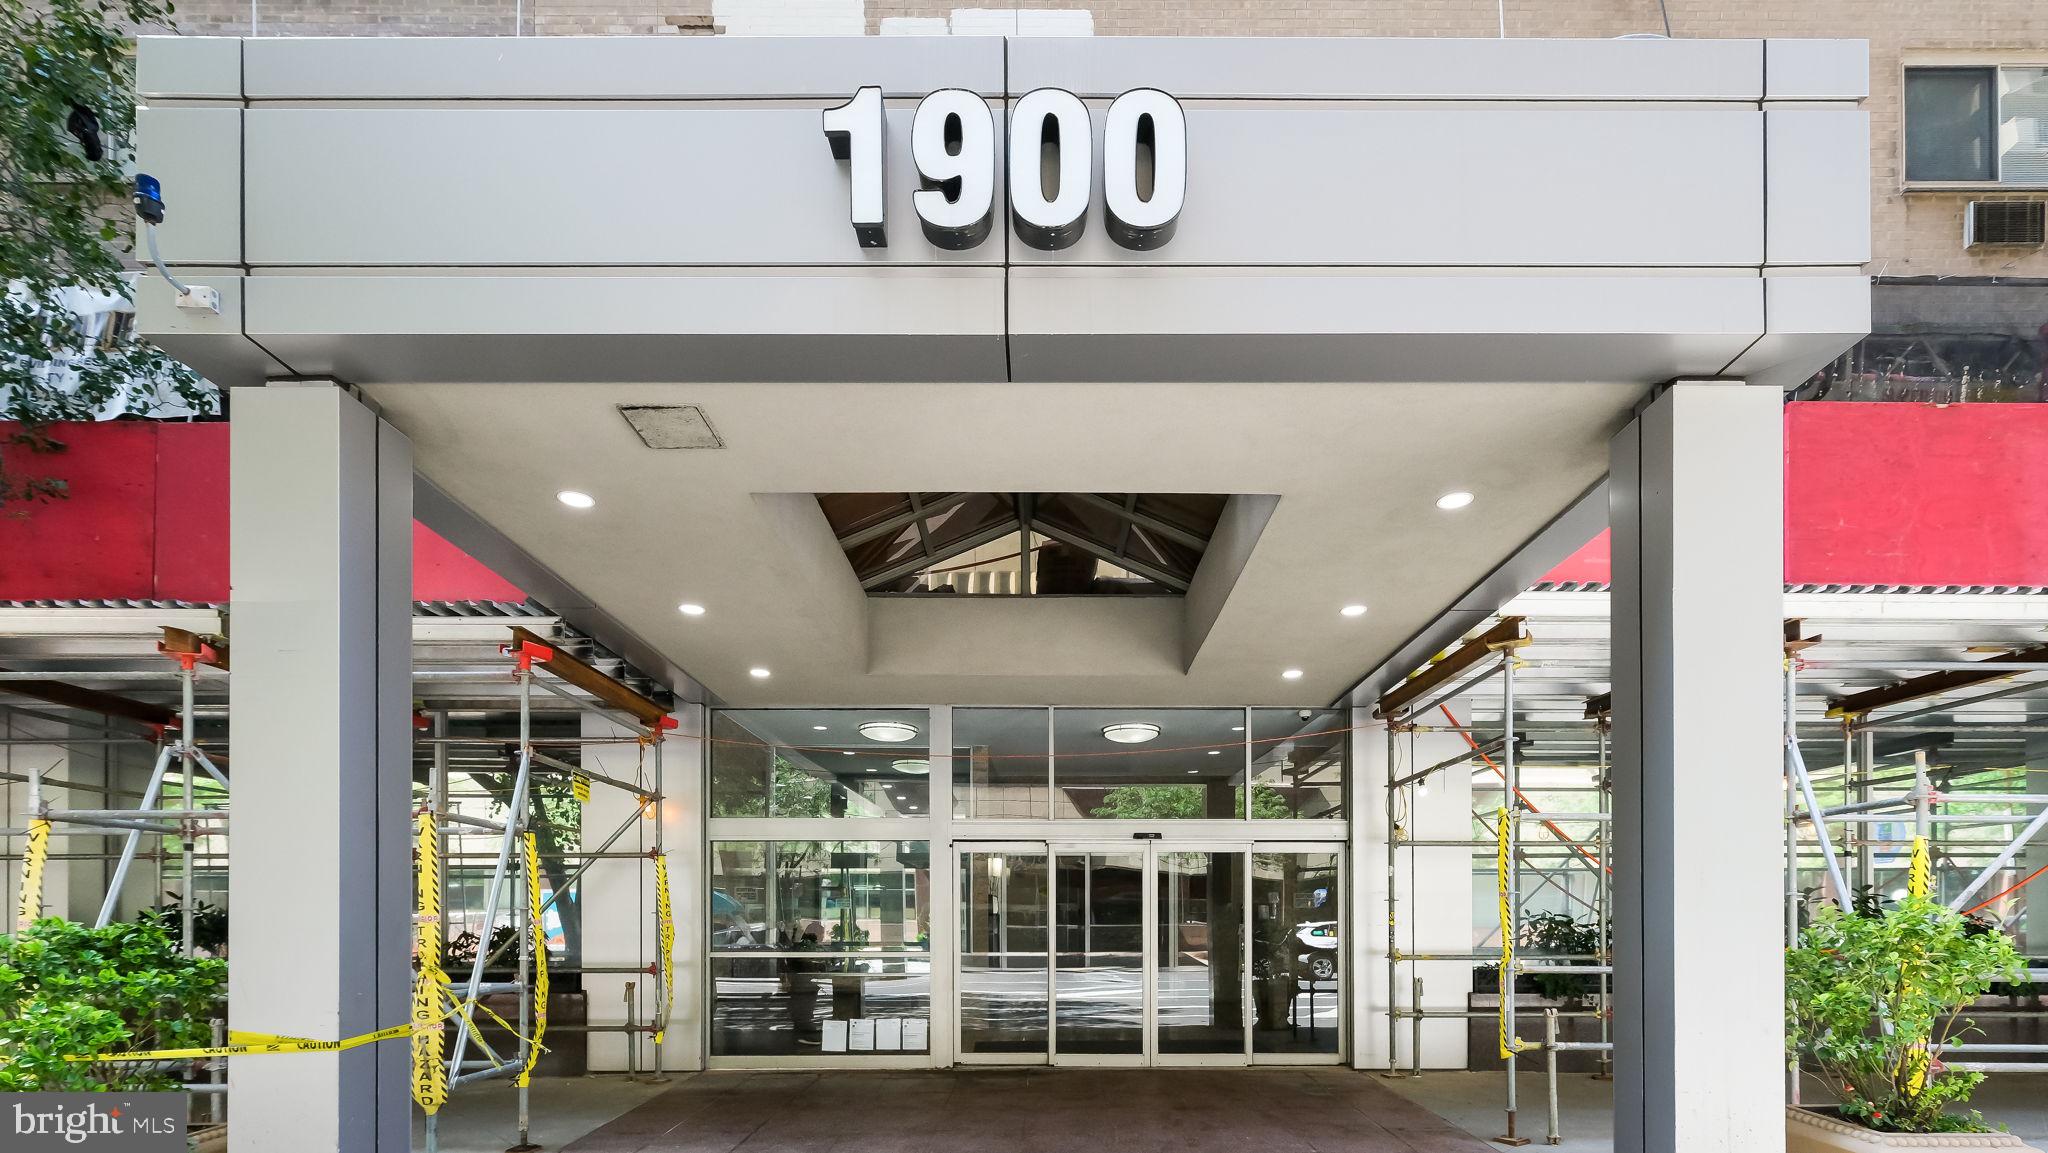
column 621, row 208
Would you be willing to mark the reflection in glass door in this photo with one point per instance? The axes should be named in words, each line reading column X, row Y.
column 1099, row 956
column 1198, row 958
column 1297, row 954
column 1151, row 954
column 1003, row 941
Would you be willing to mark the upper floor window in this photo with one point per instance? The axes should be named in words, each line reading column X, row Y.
column 1977, row 125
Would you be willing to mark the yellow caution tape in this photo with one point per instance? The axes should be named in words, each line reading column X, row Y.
column 1919, row 883
column 1504, row 826
column 580, row 788
column 665, row 940
column 430, row 987
column 253, row 1043
column 540, row 954
column 32, row 873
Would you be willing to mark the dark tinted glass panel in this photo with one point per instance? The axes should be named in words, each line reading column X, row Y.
column 1172, row 764
column 1000, row 763
column 1950, row 124
column 820, row 763
column 1299, row 762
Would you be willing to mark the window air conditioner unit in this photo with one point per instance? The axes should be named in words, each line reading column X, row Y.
column 2005, row 223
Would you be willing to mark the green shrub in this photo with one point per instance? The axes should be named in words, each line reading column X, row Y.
column 69, row 990
column 1867, row 994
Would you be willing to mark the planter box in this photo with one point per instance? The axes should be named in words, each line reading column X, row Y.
column 1809, row 1132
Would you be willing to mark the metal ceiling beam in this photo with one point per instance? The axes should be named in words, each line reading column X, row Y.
column 965, row 544
column 894, row 523
column 1108, row 555
column 54, row 692
column 1145, row 521
column 1508, row 633
column 1934, row 684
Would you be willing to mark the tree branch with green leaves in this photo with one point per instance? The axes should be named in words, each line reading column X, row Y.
column 67, row 128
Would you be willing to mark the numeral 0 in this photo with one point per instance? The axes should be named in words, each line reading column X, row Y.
column 1051, row 167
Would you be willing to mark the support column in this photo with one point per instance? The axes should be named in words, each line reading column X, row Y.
column 1697, row 498
column 320, row 564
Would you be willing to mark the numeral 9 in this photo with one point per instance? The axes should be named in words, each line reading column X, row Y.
column 1051, row 167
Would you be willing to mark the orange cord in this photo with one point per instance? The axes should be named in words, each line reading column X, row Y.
column 2005, row 892
column 1519, row 795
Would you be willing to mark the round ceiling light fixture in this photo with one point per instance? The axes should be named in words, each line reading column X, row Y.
column 1130, row 732
column 914, row 766
column 758, row 673
column 1290, row 675
column 888, row 732
column 574, row 499
column 1452, row 501
column 1352, row 611
column 690, row 609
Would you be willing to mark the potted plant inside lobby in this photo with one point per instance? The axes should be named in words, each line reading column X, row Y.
column 1871, row 996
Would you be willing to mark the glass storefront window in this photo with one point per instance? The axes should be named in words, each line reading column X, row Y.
column 824, row 896
column 1299, row 761
column 1169, row 763
column 820, row 763
column 800, row 1006
column 820, row 947
column 1000, row 765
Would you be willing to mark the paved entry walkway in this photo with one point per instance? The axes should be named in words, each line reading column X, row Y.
column 1297, row 1110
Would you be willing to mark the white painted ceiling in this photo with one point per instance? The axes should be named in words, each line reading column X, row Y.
column 1357, row 468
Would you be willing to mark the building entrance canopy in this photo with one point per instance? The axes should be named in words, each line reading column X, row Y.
column 407, row 210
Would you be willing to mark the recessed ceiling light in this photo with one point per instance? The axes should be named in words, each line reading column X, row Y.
column 914, row 766
column 1352, row 611
column 690, row 610
column 1291, row 675
column 1237, row 728
column 817, row 728
column 848, row 753
column 888, row 732
column 1453, row 500
column 574, row 499
column 1130, row 732
column 871, row 769
column 1215, row 752
column 912, row 808
column 1192, row 772
column 758, row 673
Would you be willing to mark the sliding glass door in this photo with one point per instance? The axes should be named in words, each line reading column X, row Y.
column 1150, row 954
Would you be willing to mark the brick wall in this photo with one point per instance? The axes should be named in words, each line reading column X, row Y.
column 1914, row 234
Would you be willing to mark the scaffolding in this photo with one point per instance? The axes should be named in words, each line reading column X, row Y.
column 60, row 681
column 1491, row 658
column 538, row 664
column 1890, row 688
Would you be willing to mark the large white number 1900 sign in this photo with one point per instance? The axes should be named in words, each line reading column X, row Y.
column 953, row 146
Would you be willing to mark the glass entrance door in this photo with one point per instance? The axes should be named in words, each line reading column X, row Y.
column 1150, row 954
column 1004, row 981
column 1100, row 947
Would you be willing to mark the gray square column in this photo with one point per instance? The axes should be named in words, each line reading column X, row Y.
column 1697, row 497
column 320, row 568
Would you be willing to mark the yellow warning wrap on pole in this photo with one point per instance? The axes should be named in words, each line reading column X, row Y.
column 540, row 960
column 665, row 941
column 1503, row 861
column 1919, row 883
column 32, row 874
column 430, row 990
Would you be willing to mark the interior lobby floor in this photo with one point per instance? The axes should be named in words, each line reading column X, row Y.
column 1296, row 1110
